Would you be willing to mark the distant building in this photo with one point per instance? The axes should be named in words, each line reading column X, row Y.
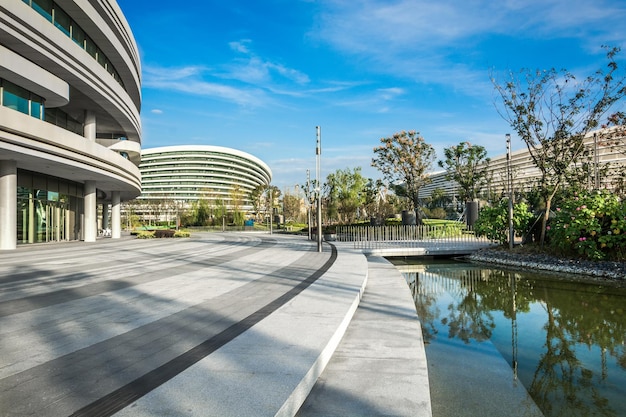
column 70, row 132
column 182, row 175
column 525, row 174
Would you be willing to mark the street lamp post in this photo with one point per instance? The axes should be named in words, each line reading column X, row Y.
column 308, row 198
column 509, row 176
column 318, row 190
column 271, row 205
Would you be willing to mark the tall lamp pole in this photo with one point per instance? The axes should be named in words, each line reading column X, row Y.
column 318, row 189
column 308, row 198
column 271, row 205
column 509, row 176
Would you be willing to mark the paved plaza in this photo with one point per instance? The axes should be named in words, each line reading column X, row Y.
column 216, row 325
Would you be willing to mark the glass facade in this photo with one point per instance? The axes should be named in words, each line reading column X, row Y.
column 47, row 215
column 57, row 16
column 20, row 99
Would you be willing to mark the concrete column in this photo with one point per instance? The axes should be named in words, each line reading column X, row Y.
column 91, row 212
column 89, row 128
column 8, row 205
column 31, row 217
column 105, row 215
column 116, row 218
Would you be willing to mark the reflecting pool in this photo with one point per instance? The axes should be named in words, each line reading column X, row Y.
column 563, row 340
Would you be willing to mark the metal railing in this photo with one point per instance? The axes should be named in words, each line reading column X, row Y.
column 366, row 237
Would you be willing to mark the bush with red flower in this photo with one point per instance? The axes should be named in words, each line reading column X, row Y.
column 592, row 225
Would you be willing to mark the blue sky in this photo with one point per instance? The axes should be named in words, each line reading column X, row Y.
column 259, row 75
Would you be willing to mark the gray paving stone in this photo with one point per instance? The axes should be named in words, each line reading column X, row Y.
column 86, row 337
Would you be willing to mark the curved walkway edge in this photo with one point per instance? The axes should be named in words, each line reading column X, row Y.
column 379, row 368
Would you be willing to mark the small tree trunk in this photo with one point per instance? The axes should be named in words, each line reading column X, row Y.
column 544, row 221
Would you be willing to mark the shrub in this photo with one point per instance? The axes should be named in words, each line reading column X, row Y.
column 446, row 230
column 182, row 233
column 436, row 213
column 493, row 222
column 144, row 234
column 590, row 224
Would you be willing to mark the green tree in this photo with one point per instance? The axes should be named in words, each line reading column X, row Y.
column 405, row 158
column 494, row 224
column 552, row 112
column 257, row 197
column 467, row 165
column 273, row 196
column 377, row 201
column 438, row 204
column 291, row 207
column 203, row 213
column 346, row 192
column 220, row 211
column 236, row 200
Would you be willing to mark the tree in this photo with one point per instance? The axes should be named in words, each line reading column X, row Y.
column 202, row 213
column 466, row 165
column 404, row 158
column 551, row 111
column 291, row 207
column 377, row 205
column 236, row 200
column 438, row 204
column 345, row 190
column 257, row 197
column 273, row 195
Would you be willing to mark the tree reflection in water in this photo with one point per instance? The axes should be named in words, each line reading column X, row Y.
column 571, row 335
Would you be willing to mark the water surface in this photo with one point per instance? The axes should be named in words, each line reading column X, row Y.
column 563, row 340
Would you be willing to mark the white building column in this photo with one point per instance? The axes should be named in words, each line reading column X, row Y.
column 116, row 218
column 89, row 127
column 8, row 205
column 91, row 212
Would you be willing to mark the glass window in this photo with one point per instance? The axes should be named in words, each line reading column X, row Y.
column 109, row 67
column 15, row 97
column 44, row 8
column 62, row 20
column 91, row 47
column 73, row 126
column 78, row 35
column 61, row 119
column 50, row 116
column 101, row 58
column 36, row 106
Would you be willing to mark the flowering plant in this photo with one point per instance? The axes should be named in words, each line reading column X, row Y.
column 493, row 222
column 592, row 224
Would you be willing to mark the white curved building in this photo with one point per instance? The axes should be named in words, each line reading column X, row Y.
column 189, row 173
column 70, row 133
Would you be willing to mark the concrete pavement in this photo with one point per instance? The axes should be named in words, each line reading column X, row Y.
column 216, row 325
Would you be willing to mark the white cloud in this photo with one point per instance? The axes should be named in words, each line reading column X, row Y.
column 255, row 69
column 156, row 111
column 418, row 39
column 414, row 25
column 240, row 46
column 190, row 80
